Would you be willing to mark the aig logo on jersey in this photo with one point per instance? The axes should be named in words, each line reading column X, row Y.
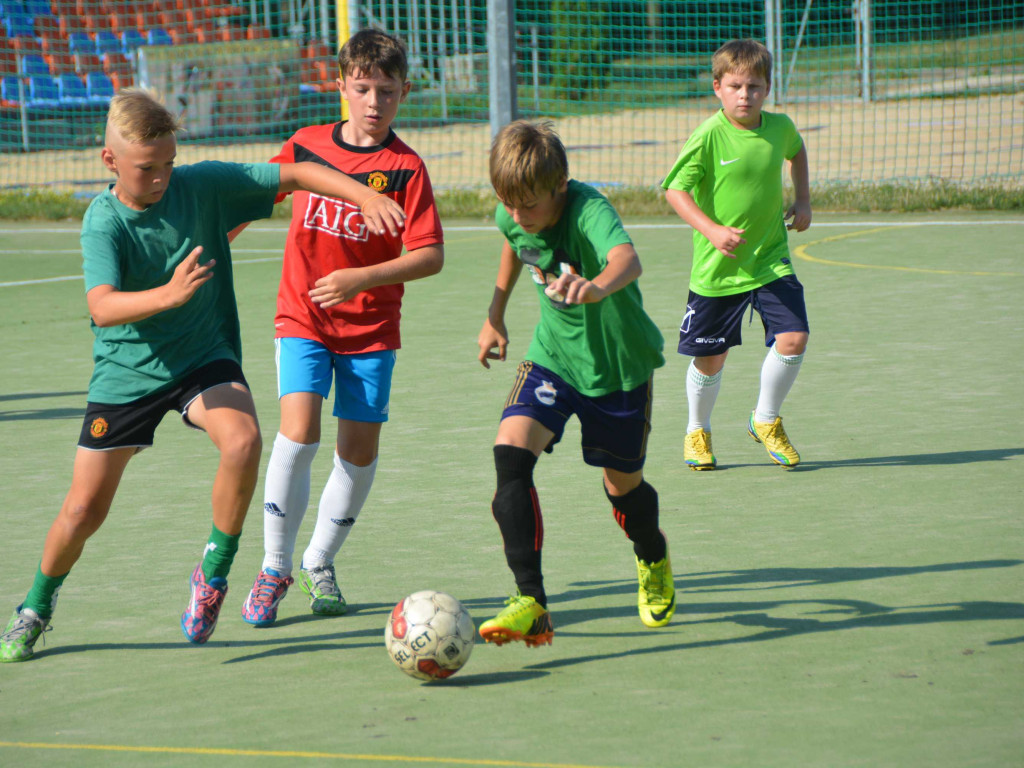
column 336, row 217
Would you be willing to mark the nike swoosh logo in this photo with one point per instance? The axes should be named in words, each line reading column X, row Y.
column 659, row 615
column 728, row 162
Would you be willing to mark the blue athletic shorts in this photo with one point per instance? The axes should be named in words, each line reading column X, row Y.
column 613, row 427
column 362, row 382
column 712, row 323
column 133, row 425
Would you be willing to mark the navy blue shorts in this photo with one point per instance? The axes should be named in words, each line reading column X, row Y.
column 712, row 323
column 613, row 427
column 132, row 425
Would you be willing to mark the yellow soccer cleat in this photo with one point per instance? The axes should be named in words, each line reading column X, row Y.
column 697, row 450
column 775, row 440
column 656, row 598
column 523, row 618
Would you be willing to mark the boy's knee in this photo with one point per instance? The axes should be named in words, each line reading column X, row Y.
column 243, row 447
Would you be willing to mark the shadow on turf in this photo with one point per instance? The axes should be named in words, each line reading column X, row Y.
column 911, row 460
column 852, row 614
column 41, row 414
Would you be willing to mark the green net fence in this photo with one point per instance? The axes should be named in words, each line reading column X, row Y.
column 882, row 91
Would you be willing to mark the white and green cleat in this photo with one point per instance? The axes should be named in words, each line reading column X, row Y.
column 321, row 584
column 18, row 639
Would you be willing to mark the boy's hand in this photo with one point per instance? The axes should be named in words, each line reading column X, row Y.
column 574, row 289
column 492, row 336
column 341, row 285
column 382, row 213
column 726, row 239
column 188, row 277
column 800, row 212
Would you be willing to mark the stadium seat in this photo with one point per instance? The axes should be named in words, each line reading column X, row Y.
column 19, row 25
column 99, row 87
column 71, row 89
column 68, row 23
column 33, row 65
column 26, row 46
column 80, row 42
column 8, row 62
column 9, row 92
column 60, row 62
column 257, row 32
column 42, row 92
column 116, row 63
column 106, row 41
column 159, row 36
column 131, row 40
column 37, row 7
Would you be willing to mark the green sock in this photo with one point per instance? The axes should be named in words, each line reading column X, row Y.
column 220, row 552
column 42, row 598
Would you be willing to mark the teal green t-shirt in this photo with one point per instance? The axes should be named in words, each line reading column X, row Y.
column 138, row 250
column 609, row 346
column 735, row 177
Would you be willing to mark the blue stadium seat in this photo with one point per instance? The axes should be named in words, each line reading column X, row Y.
column 131, row 41
column 80, row 42
column 71, row 89
column 159, row 36
column 9, row 91
column 98, row 87
column 19, row 25
column 106, row 42
column 35, row 8
column 34, row 64
column 42, row 92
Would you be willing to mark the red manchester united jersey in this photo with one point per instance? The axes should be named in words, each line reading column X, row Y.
column 328, row 234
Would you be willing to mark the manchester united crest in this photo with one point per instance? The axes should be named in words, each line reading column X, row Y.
column 378, row 181
column 99, row 427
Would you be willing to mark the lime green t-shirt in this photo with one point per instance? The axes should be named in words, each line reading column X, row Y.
column 609, row 346
column 138, row 250
column 735, row 177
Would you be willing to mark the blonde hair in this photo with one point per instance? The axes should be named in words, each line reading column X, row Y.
column 526, row 157
column 370, row 49
column 745, row 57
column 137, row 117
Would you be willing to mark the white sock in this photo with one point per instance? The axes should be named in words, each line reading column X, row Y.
column 777, row 376
column 285, row 498
column 701, row 393
column 342, row 500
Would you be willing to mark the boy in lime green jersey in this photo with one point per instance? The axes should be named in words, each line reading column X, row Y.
column 593, row 354
column 161, row 300
column 727, row 185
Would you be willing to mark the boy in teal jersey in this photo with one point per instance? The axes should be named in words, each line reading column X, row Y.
column 727, row 185
column 593, row 354
column 167, row 338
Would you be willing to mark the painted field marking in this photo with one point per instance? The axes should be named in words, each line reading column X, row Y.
column 290, row 754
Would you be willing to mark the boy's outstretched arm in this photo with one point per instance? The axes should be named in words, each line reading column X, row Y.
column 493, row 334
column 622, row 269
column 725, row 239
column 381, row 212
column 342, row 284
column 800, row 210
column 109, row 306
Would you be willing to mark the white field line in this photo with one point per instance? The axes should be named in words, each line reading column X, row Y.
column 476, row 228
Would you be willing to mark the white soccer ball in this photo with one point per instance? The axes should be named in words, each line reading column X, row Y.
column 429, row 635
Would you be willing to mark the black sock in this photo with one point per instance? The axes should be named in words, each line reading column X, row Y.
column 637, row 515
column 517, row 512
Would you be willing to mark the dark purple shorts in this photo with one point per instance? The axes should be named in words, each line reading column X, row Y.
column 712, row 323
column 613, row 427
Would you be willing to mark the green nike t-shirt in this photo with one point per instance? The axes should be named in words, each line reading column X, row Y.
column 600, row 348
column 735, row 177
column 139, row 250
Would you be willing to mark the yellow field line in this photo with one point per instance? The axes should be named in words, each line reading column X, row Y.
column 801, row 253
column 276, row 753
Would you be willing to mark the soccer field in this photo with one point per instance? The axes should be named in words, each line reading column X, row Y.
column 864, row 609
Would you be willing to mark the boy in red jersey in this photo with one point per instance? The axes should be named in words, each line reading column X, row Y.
column 337, row 320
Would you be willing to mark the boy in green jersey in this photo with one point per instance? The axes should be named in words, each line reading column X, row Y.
column 167, row 338
column 727, row 185
column 593, row 354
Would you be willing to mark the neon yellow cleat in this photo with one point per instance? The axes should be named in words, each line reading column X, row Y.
column 523, row 618
column 775, row 440
column 697, row 450
column 656, row 598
